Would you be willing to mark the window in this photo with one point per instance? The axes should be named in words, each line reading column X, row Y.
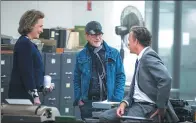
column 188, row 45
column 188, row 51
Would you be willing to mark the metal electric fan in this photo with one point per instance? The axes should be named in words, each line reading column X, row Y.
column 130, row 16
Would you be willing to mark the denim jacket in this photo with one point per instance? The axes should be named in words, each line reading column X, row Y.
column 114, row 73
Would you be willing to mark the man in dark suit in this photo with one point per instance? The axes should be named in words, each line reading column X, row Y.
column 151, row 83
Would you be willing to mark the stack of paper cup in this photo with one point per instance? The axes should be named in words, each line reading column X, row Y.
column 47, row 81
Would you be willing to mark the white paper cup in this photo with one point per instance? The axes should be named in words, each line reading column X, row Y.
column 47, row 81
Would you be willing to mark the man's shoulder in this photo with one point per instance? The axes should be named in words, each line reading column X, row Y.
column 82, row 53
column 150, row 56
column 112, row 49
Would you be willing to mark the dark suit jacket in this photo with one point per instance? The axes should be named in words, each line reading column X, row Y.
column 153, row 79
column 28, row 71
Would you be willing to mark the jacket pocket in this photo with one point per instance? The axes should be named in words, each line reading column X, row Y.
column 83, row 65
column 82, row 60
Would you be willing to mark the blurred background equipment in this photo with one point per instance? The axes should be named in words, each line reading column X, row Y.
column 81, row 31
column 130, row 16
column 39, row 44
column 60, row 35
column 74, row 40
column 6, row 42
column 49, row 45
column 21, row 111
column 58, row 40
column 184, row 111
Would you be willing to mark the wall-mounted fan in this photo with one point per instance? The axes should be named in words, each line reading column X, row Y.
column 130, row 16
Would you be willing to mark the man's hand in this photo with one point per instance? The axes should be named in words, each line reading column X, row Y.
column 120, row 110
column 80, row 103
column 37, row 101
column 51, row 87
column 160, row 113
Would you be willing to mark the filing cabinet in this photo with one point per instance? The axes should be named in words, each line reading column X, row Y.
column 67, row 86
column 61, row 68
column 67, row 97
column 52, row 65
column 4, row 92
column 52, row 62
column 6, row 64
column 43, row 58
column 11, row 62
column 45, row 34
column 68, row 64
column 67, row 110
column 67, row 92
column 5, row 78
column 52, row 98
column 54, row 35
column 77, row 112
column 6, row 67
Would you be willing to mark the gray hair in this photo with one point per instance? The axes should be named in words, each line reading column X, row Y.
column 28, row 21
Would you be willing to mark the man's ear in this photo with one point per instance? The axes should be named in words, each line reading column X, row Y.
column 137, row 41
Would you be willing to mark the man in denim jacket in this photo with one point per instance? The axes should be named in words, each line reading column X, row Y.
column 99, row 72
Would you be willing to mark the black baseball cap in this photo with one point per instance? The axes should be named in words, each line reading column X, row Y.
column 93, row 27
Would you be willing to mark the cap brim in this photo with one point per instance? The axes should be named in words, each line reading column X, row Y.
column 93, row 32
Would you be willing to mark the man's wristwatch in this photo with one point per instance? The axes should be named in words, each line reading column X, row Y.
column 34, row 93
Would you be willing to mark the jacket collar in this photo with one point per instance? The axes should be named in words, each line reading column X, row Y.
column 107, row 50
